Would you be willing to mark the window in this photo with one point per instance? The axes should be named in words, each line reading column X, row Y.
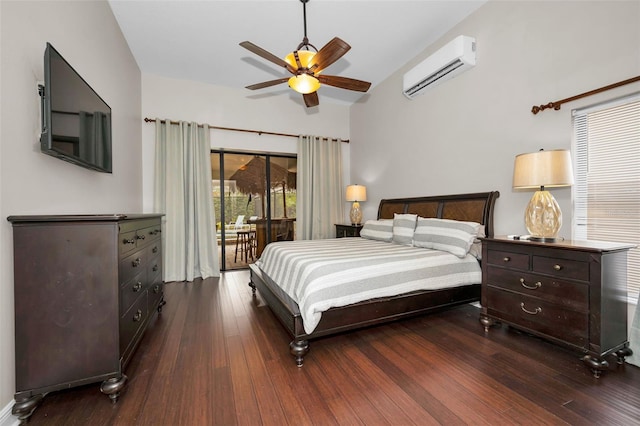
column 607, row 190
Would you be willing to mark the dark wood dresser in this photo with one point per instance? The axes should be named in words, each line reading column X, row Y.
column 343, row 230
column 570, row 292
column 86, row 288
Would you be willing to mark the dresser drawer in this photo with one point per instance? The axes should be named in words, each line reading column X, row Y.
column 565, row 268
column 155, row 292
column 132, row 321
column 127, row 242
column 149, row 234
column 536, row 314
column 508, row 259
column 132, row 265
column 563, row 292
column 131, row 290
column 154, row 248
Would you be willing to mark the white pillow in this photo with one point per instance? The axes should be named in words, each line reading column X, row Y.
column 453, row 236
column 403, row 227
column 381, row 230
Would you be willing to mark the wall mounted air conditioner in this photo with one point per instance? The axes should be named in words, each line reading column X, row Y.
column 450, row 60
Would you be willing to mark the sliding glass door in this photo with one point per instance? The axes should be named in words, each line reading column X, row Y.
column 254, row 196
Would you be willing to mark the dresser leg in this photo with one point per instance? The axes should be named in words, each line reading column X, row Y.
column 113, row 386
column 253, row 287
column 487, row 322
column 24, row 407
column 597, row 365
column 622, row 353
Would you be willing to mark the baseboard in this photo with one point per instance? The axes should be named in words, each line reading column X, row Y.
column 6, row 418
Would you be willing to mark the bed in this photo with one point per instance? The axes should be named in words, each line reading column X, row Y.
column 271, row 282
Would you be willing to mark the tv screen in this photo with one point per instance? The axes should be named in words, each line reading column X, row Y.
column 76, row 122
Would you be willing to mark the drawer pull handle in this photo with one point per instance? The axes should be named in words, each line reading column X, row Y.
column 136, row 263
column 130, row 241
column 537, row 285
column 156, row 288
column 140, row 237
column 536, row 312
column 155, row 249
column 154, row 232
column 138, row 316
column 155, row 268
column 557, row 267
column 506, row 259
column 137, row 286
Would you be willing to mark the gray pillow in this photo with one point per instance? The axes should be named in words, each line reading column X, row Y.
column 380, row 230
column 453, row 236
column 403, row 227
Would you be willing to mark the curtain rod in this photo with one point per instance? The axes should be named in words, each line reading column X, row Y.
column 556, row 105
column 259, row 132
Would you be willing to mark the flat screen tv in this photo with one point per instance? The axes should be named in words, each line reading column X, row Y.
column 76, row 121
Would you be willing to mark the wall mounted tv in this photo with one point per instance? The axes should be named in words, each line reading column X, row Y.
column 76, row 122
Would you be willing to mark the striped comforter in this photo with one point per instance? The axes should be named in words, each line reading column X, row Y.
column 321, row 274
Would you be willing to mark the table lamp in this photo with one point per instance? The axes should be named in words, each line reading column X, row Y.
column 356, row 193
column 540, row 170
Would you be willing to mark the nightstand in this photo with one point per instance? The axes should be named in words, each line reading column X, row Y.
column 343, row 230
column 572, row 293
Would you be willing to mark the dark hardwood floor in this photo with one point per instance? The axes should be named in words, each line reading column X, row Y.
column 217, row 356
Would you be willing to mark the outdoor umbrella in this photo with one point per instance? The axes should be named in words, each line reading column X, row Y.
column 251, row 178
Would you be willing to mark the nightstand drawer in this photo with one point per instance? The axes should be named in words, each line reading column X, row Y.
column 347, row 230
column 536, row 314
column 509, row 260
column 569, row 294
column 561, row 267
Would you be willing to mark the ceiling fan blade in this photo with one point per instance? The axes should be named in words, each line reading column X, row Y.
column 311, row 99
column 267, row 55
column 344, row 82
column 330, row 53
column 267, row 83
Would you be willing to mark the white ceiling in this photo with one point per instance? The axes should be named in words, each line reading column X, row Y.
column 198, row 40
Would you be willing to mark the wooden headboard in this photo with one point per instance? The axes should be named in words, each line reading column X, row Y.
column 468, row 207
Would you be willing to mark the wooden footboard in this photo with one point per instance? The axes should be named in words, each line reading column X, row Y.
column 469, row 207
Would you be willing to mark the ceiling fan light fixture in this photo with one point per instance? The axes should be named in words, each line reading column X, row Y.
column 304, row 83
column 305, row 57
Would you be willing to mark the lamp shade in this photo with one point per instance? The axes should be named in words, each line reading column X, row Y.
column 543, row 168
column 356, row 193
column 305, row 57
column 302, row 83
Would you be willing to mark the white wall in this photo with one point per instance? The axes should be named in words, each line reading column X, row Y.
column 88, row 37
column 225, row 107
column 463, row 135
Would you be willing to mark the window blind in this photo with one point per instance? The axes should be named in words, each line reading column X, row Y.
column 607, row 188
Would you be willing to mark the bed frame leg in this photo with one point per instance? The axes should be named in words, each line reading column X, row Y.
column 299, row 349
column 253, row 287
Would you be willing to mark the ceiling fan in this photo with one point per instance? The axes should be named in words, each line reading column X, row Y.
column 306, row 66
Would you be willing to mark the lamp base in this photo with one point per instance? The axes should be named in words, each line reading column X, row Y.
column 543, row 217
column 355, row 214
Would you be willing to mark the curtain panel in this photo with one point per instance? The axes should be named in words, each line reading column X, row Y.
column 320, row 202
column 183, row 192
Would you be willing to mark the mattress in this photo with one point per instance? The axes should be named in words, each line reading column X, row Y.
column 322, row 274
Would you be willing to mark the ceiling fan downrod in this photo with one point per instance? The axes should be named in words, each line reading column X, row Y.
column 305, row 40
